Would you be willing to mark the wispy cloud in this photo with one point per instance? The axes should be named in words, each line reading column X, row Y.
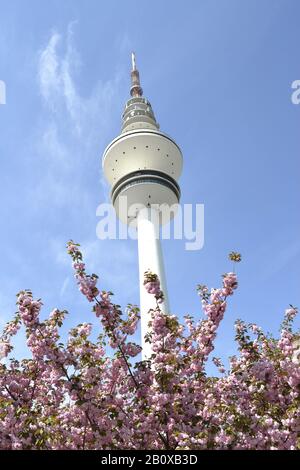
column 48, row 73
column 59, row 63
column 74, row 126
column 64, row 286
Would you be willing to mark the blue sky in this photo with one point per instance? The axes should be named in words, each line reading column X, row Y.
column 218, row 74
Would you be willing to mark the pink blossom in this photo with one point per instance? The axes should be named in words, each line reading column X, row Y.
column 88, row 392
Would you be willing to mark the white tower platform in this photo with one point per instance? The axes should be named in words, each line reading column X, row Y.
column 143, row 165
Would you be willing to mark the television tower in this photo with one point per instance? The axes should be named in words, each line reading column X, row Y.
column 142, row 166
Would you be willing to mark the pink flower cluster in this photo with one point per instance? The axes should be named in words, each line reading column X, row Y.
column 87, row 283
column 78, row 395
column 152, row 286
column 5, row 348
column 29, row 309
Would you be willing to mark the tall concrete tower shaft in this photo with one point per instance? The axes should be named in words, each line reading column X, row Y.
column 142, row 165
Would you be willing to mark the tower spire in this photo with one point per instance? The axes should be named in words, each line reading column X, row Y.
column 136, row 89
column 138, row 113
column 133, row 61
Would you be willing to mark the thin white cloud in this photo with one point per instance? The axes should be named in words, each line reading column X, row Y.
column 49, row 76
column 58, row 64
column 64, row 286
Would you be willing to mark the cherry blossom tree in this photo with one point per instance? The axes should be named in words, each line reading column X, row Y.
column 74, row 395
